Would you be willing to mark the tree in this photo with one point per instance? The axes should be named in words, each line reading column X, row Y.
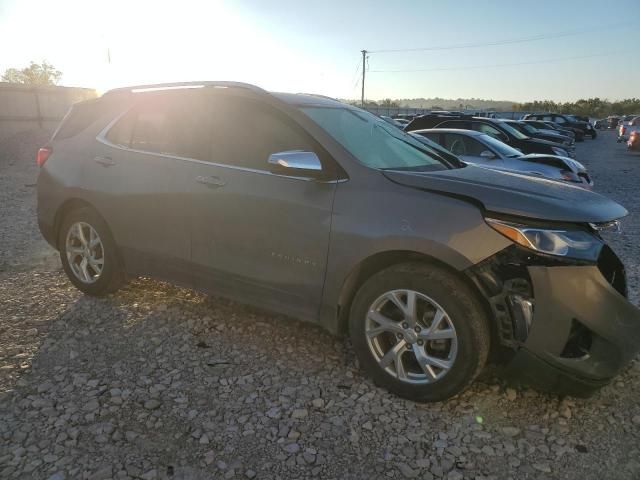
column 35, row 74
column 387, row 102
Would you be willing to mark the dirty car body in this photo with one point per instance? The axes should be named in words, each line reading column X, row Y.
column 304, row 227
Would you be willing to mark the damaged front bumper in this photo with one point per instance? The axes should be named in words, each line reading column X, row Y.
column 568, row 326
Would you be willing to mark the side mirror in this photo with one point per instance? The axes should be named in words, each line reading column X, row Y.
column 488, row 154
column 295, row 162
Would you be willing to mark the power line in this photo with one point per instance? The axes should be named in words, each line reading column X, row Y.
column 475, row 67
column 532, row 38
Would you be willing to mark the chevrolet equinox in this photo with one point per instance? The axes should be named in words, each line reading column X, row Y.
column 306, row 206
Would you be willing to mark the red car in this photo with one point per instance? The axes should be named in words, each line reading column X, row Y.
column 634, row 141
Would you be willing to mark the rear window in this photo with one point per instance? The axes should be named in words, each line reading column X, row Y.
column 80, row 116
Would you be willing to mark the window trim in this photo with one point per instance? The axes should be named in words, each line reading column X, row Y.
column 102, row 138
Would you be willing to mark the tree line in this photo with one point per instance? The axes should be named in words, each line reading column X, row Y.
column 591, row 107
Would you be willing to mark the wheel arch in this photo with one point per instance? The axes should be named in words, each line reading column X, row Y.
column 382, row 260
column 68, row 206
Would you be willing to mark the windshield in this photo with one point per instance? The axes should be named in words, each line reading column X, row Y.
column 499, row 147
column 374, row 142
column 528, row 128
column 512, row 131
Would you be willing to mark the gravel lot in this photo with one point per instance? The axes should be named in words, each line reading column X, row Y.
column 161, row 382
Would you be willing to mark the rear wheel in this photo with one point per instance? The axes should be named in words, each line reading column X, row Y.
column 419, row 331
column 88, row 253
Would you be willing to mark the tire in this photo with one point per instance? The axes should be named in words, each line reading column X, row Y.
column 111, row 275
column 462, row 312
column 594, row 135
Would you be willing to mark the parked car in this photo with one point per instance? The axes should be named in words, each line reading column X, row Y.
column 552, row 127
column 403, row 122
column 578, row 134
column 567, row 121
column 324, row 212
column 546, row 134
column 626, row 125
column 495, row 127
column 483, row 150
column 601, row 124
column 613, row 122
column 396, row 123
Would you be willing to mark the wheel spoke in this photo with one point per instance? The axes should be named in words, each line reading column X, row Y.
column 394, row 355
column 385, row 324
column 83, row 270
column 427, row 361
column 80, row 234
column 437, row 320
column 408, row 309
column 97, row 261
column 410, row 313
column 445, row 334
column 75, row 250
column 94, row 240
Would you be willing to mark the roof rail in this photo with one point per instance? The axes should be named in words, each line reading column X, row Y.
column 185, row 85
column 319, row 96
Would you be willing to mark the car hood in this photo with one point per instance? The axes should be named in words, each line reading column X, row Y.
column 511, row 193
column 549, row 143
column 564, row 163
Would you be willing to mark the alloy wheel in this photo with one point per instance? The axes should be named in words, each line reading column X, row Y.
column 411, row 337
column 85, row 252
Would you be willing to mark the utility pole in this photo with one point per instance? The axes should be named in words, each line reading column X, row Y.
column 364, row 61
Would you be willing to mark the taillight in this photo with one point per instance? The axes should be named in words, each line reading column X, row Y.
column 43, row 155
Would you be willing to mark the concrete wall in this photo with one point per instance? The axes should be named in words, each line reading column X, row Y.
column 24, row 107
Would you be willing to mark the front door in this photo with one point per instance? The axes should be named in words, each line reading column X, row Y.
column 259, row 236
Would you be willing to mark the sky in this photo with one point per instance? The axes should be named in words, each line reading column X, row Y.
column 582, row 49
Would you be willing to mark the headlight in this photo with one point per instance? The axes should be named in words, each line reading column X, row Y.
column 569, row 176
column 578, row 244
column 560, row 151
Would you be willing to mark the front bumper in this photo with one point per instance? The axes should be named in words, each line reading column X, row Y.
column 582, row 331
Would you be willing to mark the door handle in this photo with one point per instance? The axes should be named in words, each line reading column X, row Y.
column 104, row 161
column 212, row 181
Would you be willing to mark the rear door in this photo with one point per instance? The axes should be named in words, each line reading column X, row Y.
column 259, row 236
column 141, row 186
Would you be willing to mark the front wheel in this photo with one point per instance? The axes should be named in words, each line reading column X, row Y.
column 419, row 331
column 88, row 253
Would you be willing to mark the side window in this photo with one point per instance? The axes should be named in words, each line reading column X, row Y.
column 455, row 124
column 120, row 133
column 150, row 130
column 434, row 137
column 473, row 146
column 455, row 143
column 547, row 118
column 245, row 132
column 489, row 130
column 559, row 120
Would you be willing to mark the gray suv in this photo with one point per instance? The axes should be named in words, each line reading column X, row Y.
column 308, row 207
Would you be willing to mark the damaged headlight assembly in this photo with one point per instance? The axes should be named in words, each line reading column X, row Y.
column 561, row 242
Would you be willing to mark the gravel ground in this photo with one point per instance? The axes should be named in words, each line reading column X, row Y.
column 161, row 382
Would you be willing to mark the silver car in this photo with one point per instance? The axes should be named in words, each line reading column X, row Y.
column 483, row 150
